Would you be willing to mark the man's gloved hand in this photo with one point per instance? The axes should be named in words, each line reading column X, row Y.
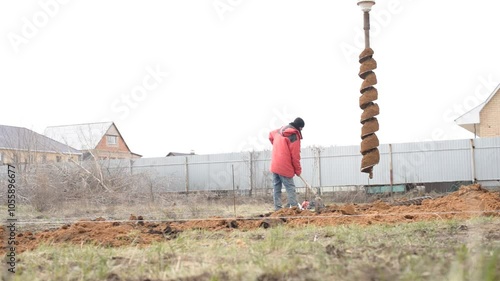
column 305, row 204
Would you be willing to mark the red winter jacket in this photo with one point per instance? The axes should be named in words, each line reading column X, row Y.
column 285, row 159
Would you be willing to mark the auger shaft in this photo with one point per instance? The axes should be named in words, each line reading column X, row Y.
column 369, row 94
column 369, row 140
column 366, row 19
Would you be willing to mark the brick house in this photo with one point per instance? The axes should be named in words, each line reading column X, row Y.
column 95, row 140
column 23, row 146
column 484, row 119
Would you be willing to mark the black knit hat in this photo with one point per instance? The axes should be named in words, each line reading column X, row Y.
column 298, row 123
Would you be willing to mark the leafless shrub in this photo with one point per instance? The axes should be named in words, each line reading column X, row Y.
column 358, row 196
column 44, row 195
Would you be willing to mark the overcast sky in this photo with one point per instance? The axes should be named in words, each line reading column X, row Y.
column 217, row 76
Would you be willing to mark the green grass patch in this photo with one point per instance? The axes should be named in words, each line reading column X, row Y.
column 437, row 250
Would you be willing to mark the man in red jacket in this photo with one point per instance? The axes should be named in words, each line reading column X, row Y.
column 285, row 160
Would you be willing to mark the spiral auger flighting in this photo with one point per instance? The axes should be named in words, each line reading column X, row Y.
column 369, row 140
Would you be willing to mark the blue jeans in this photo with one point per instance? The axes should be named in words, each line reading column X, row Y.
column 290, row 191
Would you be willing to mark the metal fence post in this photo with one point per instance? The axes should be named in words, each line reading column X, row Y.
column 473, row 161
column 250, row 171
column 391, row 170
column 391, row 173
column 317, row 159
column 234, row 192
column 186, row 172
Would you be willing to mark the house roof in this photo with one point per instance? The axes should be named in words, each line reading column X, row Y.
column 18, row 138
column 80, row 136
column 179, row 154
column 471, row 118
column 135, row 154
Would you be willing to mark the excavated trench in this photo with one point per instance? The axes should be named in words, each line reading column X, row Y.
column 468, row 202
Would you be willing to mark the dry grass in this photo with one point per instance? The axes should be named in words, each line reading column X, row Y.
column 439, row 250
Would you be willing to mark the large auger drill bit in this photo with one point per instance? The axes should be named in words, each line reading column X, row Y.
column 369, row 141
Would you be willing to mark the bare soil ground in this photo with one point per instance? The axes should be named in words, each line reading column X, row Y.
column 468, row 202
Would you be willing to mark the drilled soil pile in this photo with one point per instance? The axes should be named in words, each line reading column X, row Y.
column 469, row 201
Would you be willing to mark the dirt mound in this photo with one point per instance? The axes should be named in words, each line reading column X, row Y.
column 468, row 201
